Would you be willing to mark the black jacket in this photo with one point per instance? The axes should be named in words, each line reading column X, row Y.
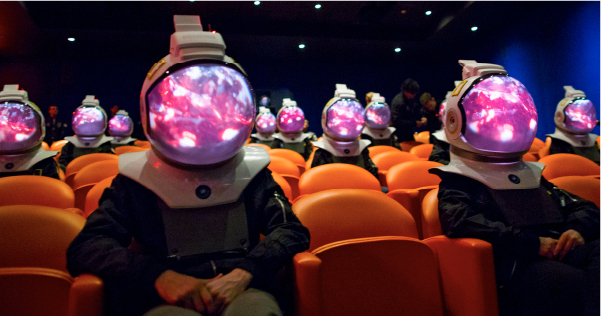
column 391, row 141
column 128, row 210
column 559, row 146
column 323, row 157
column 45, row 167
column 306, row 151
column 440, row 151
column 70, row 152
column 404, row 115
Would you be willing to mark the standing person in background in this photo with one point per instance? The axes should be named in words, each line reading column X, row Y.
column 406, row 112
column 430, row 112
column 368, row 97
column 114, row 110
column 55, row 129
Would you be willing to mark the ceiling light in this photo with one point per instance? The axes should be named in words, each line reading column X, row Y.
column 428, row 12
column 398, row 49
column 257, row 2
column 301, row 46
column 404, row 11
column 71, row 39
column 474, row 28
column 318, row 6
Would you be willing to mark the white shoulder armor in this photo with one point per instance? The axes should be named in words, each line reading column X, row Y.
column 22, row 162
column 379, row 133
column 292, row 138
column 180, row 188
column 440, row 135
column 88, row 143
column 263, row 138
column 342, row 149
column 123, row 140
column 576, row 140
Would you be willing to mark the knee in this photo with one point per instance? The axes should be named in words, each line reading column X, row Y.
column 253, row 302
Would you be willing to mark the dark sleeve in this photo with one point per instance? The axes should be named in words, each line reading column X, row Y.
column 439, row 154
column 285, row 236
column 465, row 211
column 581, row 215
column 107, row 148
column 369, row 164
column 308, row 148
column 558, row 146
column 277, row 143
column 101, row 248
column 367, row 137
column 66, row 155
column 321, row 157
column 48, row 168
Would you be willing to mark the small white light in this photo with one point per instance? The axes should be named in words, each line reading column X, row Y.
column 428, row 12
column 474, row 28
column 398, row 49
column 71, row 39
column 318, row 6
column 301, row 46
column 257, row 2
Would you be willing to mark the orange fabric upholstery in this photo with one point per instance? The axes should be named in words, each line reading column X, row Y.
column 291, row 155
column 341, row 214
column 376, row 150
column 283, row 166
column 336, row 176
column 284, row 185
column 543, row 152
column 260, row 145
column 45, row 146
column 536, row 146
column 598, row 143
column 422, row 151
column 411, row 199
column 412, row 175
column 35, row 190
column 422, row 137
column 78, row 163
column 94, row 195
column 529, row 157
column 407, row 145
column 387, row 160
column 585, row 187
column 89, row 175
column 142, row 143
column 560, row 165
column 61, row 175
column 58, row 145
column 430, row 220
column 310, row 160
column 128, row 149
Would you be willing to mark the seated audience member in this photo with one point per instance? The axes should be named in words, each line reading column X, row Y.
column 21, row 135
column 89, row 123
column 342, row 120
column 377, row 121
column 265, row 125
column 120, row 128
column 545, row 240
column 575, row 118
column 290, row 125
column 430, row 112
column 197, row 203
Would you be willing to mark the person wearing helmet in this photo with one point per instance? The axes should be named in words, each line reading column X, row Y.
column 89, row 123
column 120, row 128
column 342, row 120
column 21, row 134
column 196, row 203
column 545, row 240
column 290, row 124
column 438, row 139
column 575, row 118
column 265, row 125
column 377, row 121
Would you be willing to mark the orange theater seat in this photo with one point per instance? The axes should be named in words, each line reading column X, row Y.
column 422, row 151
column 142, row 143
column 422, row 137
column 560, row 165
column 310, row 160
column 387, row 160
column 89, row 175
column 529, row 157
column 430, row 220
column 35, row 190
column 127, row 149
column 336, row 176
column 291, row 155
column 58, row 145
column 78, row 163
column 287, row 170
column 585, row 187
column 94, row 195
column 407, row 145
column 45, row 146
column 33, row 277
column 259, row 145
column 284, row 185
column 376, row 150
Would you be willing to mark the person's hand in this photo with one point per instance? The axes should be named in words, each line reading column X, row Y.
column 185, row 291
column 422, row 122
column 226, row 288
column 547, row 246
column 567, row 241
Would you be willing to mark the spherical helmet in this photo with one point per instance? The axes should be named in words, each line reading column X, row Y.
column 291, row 118
column 89, row 119
column 197, row 105
column 265, row 122
column 377, row 113
column 21, row 122
column 121, row 125
column 490, row 113
column 343, row 117
column 575, row 113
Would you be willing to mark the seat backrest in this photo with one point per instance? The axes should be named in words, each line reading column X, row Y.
column 430, row 220
column 585, row 187
column 78, row 163
column 376, row 150
column 283, row 166
column 35, row 190
column 259, row 145
column 422, row 137
column 58, row 145
column 407, row 145
column 379, row 276
column 560, row 165
column 95, row 172
column 336, row 176
column 412, row 175
column 529, row 157
column 387, row 160
column 335, row 215
column 422, row 151
column 291, row 155
column 142, row 143
column 45, row 146
column 127, row 149
column 284, row 185
column 36, row 236
column 94, row 195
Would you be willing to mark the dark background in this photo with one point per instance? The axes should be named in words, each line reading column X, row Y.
column 545, row 45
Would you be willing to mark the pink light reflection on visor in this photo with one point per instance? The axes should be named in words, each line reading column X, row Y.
column 345, row 119
column 121, row 126
column 88, row 121
column 441, row 111
column 500, row 116
column 377, row 115
column 291, row 119
column 581, row 116
column 202, row 114
column 265, row 123
column 20, row 126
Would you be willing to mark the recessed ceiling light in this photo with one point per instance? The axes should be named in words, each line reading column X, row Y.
column 428, row 12
column 398, row 49
column 404, row 11
column 301, row 46
column 474, row 28
column 71, row 39
column 257, row 2
column 318, row 6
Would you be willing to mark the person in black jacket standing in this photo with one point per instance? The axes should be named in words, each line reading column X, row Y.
column 406, row 111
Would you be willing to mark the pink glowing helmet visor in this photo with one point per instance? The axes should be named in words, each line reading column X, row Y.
column 265, row 123
column 291, row 119
column 20, row 127
column 345, row 119
column 121, row 126
column 500, row 116
column 88, row 121
column 377, row 115
column 201, row 114
column 581, row 116
column 441, row 111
